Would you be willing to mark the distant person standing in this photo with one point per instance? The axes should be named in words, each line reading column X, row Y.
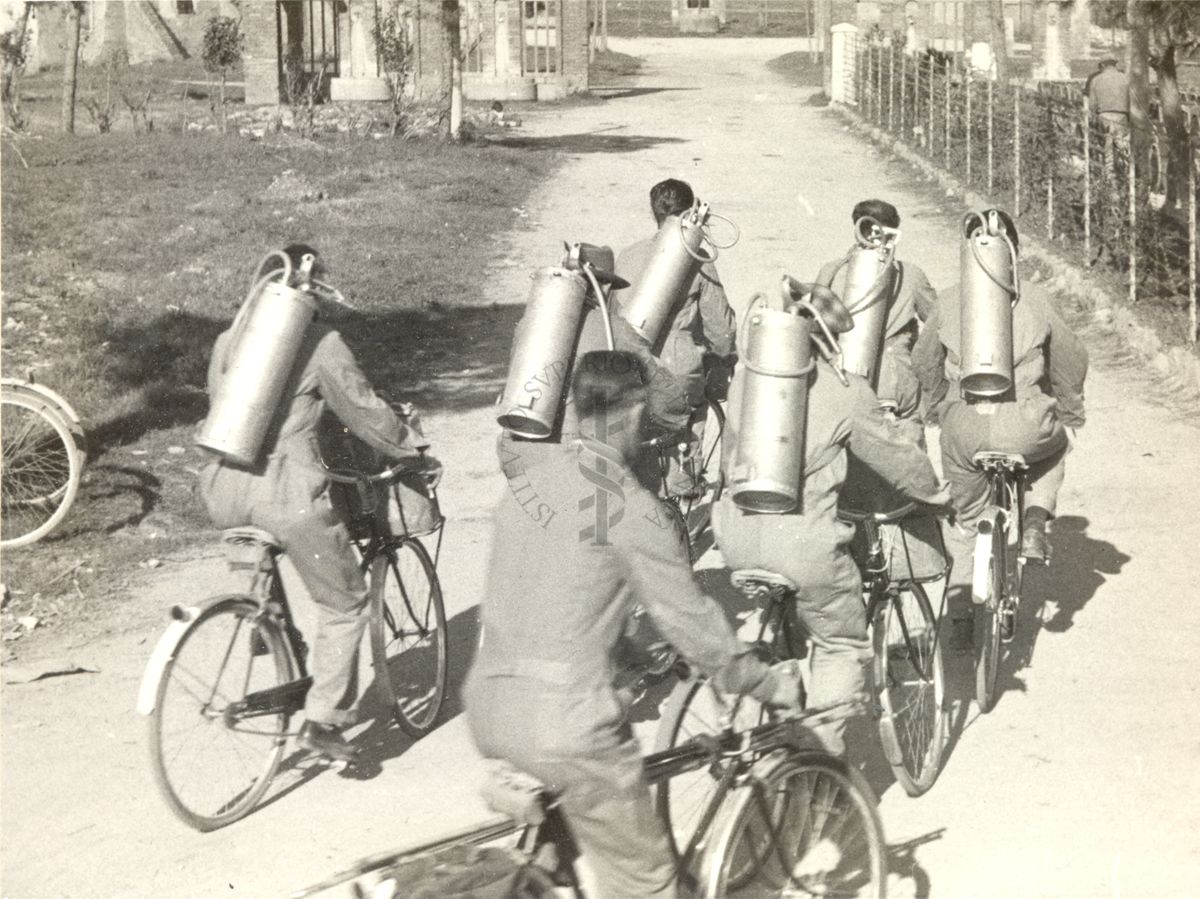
column 1108, row 93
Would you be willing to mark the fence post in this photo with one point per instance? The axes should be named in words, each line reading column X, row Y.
column 1017, row 152
column 903, row 90
column 946, row 145
column 1132, row 226
column 990, row 135
column 1050, row 173
column 891, row 88
column 970, row 124
column 879, row 88
column 1192, row 248
column 1087, row 181
column 930, row 110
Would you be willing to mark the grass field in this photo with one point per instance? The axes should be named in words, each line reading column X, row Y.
column 125, row 255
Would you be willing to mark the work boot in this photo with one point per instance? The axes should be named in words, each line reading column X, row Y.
column 1034, row 546
column 324, row 740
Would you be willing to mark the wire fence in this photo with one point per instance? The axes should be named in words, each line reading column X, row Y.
column 1067, row 175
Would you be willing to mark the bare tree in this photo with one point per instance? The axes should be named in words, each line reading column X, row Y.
column 452, row 27
column 71, row 65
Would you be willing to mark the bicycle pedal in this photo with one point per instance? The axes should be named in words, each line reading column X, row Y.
column 1008, row 626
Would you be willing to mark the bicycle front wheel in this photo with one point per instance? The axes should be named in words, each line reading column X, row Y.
column 911, row 685
column 693, row 709
column 213, row 761
column 40, row 469
column 804, row 824
column 987, row 625
column 408, row 635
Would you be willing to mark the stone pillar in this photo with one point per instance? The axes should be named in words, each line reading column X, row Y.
column 261, row 56
column 1051, row 43
column 843, row 62
column 361, row 77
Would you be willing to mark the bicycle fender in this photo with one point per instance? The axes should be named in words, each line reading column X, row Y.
column 980, row 581
column 164, row 651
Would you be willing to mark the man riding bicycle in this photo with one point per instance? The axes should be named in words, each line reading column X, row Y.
column 561, row 586
column 1030, row 418
column 809, row 545
column 287, row 494
column 699, row 343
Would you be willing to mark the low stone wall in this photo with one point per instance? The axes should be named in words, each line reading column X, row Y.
column 1178, row 365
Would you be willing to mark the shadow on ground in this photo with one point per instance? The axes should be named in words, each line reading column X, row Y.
column 437, row 358
column 588, row 142
column 1077, row 570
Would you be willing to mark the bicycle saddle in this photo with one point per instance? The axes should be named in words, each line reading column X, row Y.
column 752, row 578
column 1005, row 460
column 251, row 536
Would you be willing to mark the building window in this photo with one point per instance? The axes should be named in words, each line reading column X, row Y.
column 185, row 7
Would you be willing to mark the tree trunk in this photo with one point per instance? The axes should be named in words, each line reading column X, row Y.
column 999, row 40
column 452, row 22
column 604, row 26
column 70, row 68
column 1171, row 105
column 10, row 68
column 1139, row 80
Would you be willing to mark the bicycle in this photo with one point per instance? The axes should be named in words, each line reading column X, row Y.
column 692, row 511
column 785, row 817
column 44, row 452
column 228, row 674
column 909, row 677
column 997, row 567
column 908, row 673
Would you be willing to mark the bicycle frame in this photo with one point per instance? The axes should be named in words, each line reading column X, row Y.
column 1005, row 512
column 878, row 586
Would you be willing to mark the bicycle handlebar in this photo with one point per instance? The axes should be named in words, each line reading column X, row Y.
column 707, row 748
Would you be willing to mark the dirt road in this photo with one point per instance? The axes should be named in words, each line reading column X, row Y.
column 1083, row 780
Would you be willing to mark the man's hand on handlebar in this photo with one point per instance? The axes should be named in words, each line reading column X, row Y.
column 431, row 470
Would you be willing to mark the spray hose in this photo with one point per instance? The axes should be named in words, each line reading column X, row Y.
column 988, row 228
column 260, row 281
column 865, row 242
column 699, row 216
column 602, row 299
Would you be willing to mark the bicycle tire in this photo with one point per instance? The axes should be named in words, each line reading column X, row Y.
column 408, row 635
column 41, row 467
column 987, row 625
column 912, row 691
column 798, row 822
column 186, row 778
column 694, row 708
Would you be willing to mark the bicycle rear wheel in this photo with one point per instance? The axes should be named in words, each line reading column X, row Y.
column 693, row 709
column 211, row 763
column 987, row 626
column 41, row 467
column 910, row 681
column 408, row 635
column 803, row 824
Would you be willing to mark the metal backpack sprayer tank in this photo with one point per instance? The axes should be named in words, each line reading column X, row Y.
column 775, row 345
column 989, row 292
column 267, row 334
column 867, row 294
column 676, row 255
column 544, row 344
